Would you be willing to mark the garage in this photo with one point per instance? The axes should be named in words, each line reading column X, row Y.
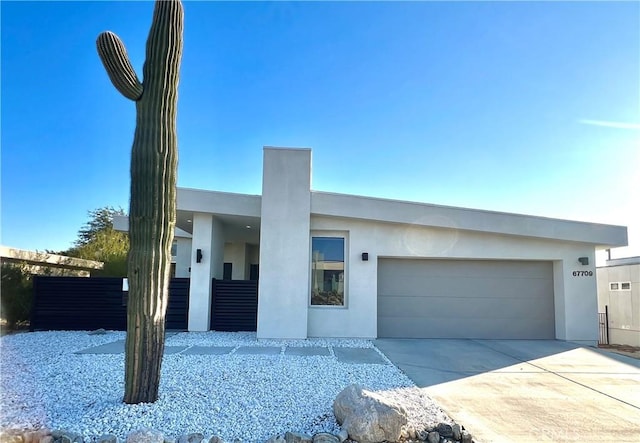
column 484, row 299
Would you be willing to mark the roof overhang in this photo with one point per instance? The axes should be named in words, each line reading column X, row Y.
column 242, row 211
column 449, row 217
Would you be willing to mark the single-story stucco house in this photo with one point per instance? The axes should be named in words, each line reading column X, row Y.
column 337, row 265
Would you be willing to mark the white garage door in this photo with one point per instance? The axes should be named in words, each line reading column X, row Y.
column 465, row 299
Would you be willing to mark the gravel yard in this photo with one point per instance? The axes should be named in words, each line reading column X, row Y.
column 234, row 396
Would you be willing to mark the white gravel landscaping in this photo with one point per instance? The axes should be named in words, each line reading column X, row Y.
column 246, row 397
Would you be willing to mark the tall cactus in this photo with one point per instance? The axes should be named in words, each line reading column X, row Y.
column 152, row 210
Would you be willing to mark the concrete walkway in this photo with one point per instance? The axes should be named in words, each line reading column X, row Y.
column 343, row 355
column 526, row 391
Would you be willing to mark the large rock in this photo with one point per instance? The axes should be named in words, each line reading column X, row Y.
column 194, row 437
column 297, row 437
column 145, row 436
column 11, row 436
column 325, row 437
column 368, row 417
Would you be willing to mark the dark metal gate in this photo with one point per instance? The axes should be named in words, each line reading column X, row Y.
column 81, row 303
column 603, row 326
column 235, row 305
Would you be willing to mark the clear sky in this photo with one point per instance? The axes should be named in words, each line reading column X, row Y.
column 519, row 107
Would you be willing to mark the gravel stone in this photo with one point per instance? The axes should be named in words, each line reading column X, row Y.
column 44, row 384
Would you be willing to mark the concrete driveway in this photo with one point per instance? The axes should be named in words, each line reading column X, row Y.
column 526, row 391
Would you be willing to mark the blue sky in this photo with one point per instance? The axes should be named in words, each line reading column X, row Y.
column 519, row 107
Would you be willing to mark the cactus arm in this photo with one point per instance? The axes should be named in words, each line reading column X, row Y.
column 116, row 62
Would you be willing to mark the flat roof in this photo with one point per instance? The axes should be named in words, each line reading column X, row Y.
column 47, row 259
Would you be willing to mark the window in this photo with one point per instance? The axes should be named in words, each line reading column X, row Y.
column 620, row 286
column 327, row 271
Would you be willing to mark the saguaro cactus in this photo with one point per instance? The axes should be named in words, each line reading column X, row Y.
column 152, row 210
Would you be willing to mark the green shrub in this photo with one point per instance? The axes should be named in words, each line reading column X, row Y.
column 16, row 294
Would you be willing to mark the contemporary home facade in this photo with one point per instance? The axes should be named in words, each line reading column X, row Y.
column 337, row 265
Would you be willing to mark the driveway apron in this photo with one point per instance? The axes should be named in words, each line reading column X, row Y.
column 526, row 391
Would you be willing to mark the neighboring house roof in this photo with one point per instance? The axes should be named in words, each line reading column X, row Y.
column 47, row 259
column 231, row 205
column 626, row 261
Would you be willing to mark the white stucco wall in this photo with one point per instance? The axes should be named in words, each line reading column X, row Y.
column 575, row 297
column 208, row 236
column 183, row 257
column 200, row 285
column 283, row 287
column 237, row 254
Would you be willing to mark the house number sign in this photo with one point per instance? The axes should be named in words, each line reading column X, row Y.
column 583, row 273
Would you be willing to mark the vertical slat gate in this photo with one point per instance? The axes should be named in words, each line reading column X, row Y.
column 80, row 303
column 178, row 307
column 235, row 305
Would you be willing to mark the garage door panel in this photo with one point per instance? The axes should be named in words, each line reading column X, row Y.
column 467, row 268
column 461, row 308
column 498, row 329
column 419, row 286
column 465, row 298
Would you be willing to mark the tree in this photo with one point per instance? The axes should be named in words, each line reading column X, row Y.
column 100, row 220
column 17, row 289
column 152, row 210
column 97, row 240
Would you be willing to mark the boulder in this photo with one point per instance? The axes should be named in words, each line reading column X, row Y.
column 433, row 437
column 368, row 417
column 145, row 436
column 297, row 437
column 456, row 430
column 194, row 437
column 11, row 436
column 325, row 437
column 445, row 430
column 63, row 436
column 343, row 435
